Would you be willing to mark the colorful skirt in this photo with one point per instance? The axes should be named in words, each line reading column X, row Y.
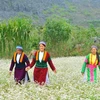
column 21, row 75
column 91, row 73
column 41, row 75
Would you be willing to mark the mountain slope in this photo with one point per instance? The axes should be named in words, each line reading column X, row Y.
column 79, row 12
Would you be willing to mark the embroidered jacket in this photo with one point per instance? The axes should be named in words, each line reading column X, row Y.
column 92, row 60
column 43, row 64
column 23, row 61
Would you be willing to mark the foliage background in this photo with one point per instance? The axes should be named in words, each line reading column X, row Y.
column 69, row 27
column 62, row 38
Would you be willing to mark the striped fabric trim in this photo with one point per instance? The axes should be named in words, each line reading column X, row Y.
column 37, row 55
column 15, row 56
column 22, row 56
column 44, row 56
column 21, row 59
column 86, row 60
column 88, row 74
column 99, row 64
column 90, row 60
column 95, row 74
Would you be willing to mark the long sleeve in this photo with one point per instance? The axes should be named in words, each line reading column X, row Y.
column 28, row 63
column 12, row 65
column 85, row 64
column 26, row 60
column 99, row 63
column 32, row 63
column 51, row 63
column 83, row 67
column 99, row 67
column 33, row 60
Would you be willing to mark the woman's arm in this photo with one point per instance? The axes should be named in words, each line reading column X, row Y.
column 26, row 60
column 85, row 64
column 11, row 66
column 32, row 63
column 51, row 63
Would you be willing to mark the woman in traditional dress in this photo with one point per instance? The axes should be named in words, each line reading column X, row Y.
column 41, row 57
column 20, row 61
column 90, row 63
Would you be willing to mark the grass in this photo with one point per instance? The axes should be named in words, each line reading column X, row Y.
column 67, row 84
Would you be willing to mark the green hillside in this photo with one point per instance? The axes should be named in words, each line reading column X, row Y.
column 78, row 12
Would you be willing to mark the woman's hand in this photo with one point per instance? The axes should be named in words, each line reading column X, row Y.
column 55, row 71
column 27, row 68
column 82, row 73
column 10, row 72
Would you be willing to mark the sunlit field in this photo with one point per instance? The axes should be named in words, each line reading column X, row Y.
column 66, row 84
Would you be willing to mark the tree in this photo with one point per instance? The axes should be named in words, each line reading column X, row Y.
column 56, row 32
column 14, row 32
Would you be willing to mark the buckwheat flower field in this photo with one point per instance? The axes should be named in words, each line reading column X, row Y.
column 66, row 84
